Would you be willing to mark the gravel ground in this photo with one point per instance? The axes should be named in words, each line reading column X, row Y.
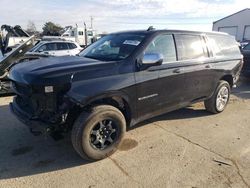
column 185, row 148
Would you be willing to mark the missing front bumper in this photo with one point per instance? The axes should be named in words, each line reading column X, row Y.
column 36, row 127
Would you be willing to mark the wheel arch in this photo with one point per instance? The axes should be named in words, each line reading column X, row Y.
column 117, row 99
column 228, row 78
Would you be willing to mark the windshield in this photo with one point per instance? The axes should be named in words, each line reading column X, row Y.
column 113, row 47
column 35, row 46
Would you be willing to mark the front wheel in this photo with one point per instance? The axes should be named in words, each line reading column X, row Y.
column 98, row 133
column 218, row 102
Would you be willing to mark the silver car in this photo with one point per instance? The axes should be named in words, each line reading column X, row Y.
column 56, row 48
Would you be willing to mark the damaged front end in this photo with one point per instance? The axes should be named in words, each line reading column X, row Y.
column 44, row 109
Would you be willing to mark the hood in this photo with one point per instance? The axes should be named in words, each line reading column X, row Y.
column 56, row 70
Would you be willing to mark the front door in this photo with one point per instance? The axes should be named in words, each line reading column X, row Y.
column 159, row 88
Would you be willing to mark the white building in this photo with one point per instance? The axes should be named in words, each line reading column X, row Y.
column 237, row 24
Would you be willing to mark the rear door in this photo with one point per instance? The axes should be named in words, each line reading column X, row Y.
column 193, row 57
column 62, row 49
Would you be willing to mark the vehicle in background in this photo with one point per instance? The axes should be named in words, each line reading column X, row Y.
column 244, row 43
column 122, row 79
column 82, row 36
column 56, row 48
column 246, row 66
column 100, row 36
column 9, row 59
column 13, row 36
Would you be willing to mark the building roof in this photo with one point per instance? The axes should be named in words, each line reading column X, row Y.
column 246, row 9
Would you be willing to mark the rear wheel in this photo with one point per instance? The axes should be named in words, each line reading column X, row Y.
column 97, row 134
column 218, row 102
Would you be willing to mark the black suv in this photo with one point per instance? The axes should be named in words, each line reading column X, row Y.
column 122, row 79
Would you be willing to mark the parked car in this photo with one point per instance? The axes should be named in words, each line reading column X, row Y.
column 243, row 44
column 246, row 66
column 122, row 79
column 56, row 48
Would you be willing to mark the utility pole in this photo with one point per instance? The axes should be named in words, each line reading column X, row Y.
column 91, row 22
column 85, row 33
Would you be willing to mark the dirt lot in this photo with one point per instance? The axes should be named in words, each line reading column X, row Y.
column 186, row 148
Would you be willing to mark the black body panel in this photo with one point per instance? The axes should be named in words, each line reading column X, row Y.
column 246, row 65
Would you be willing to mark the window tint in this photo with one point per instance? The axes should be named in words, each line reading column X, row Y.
column 72, row 46
column 163, row 44
column 62, row 46
column 190, row 47
column 223, row 45
column 47, row 47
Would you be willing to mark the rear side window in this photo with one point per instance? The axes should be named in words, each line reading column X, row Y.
column 62, row 46
column 190, row 47
column 223, row 45
column 163, row 44
column 72, row 46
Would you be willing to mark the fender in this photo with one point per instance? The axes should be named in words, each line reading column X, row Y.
column 85, row 101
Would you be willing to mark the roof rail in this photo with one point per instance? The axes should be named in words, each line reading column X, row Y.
column 151, row 28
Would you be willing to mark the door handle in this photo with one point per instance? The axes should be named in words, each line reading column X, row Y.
column 177, row 71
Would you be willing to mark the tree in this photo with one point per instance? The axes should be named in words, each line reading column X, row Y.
column 51, row 29
column 31, row 28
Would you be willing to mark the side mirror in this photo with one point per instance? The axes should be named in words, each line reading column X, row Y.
column 152, row 59
column 40, row 50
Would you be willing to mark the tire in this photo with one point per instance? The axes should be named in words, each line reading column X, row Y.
column 212, row 104
column 90, row 128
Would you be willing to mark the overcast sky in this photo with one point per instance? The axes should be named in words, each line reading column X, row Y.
column 115, row 15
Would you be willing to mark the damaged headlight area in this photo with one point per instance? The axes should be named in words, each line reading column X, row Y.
column 45, row 103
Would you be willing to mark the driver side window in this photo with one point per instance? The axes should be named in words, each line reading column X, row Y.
column 163, row 44
column 47, row 47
